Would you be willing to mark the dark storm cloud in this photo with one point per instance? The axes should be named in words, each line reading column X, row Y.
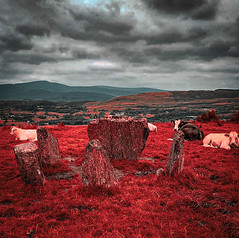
column 215, row 50
column 30, row 30
column 15, row 35
column 174, row 6
column 40, row 11
column 11, row 59
column 64, row 40
column 195, row 9
column 100, row 26
column 14, row 43
column 8, row 72
column 34, row 59
column 42, row 18
column 83, row 54
column 174, row 35
column 132, row 56
column 58, row 16
column 207, row 11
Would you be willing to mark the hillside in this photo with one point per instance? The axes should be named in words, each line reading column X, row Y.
column 201, row 202
column 165, row 106
column 155, row 106
column 44, row 90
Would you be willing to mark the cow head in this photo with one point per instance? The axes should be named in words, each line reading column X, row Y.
column 13, row 129
column 233, row 139
column 152, row 127
column 178, row 124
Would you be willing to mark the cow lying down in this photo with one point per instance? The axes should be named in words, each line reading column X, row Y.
column 152, row 127
column 23, row 134
column 190, row 130
column 222, row 140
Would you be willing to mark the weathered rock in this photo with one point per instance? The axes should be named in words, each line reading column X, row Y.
column 123, row 138
column 48, row 147
column 29, row 164
column 176, row 156
column 96, row 168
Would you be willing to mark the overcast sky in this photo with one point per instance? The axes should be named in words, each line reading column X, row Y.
column 165, row 44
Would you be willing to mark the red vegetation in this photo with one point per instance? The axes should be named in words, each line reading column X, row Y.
column 208, row 117
column 61, row 124
column 29, row 126
column 122, row 102
column 235, row 117
column 201, row 202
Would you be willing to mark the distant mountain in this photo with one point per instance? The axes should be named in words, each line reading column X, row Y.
column 44, row 90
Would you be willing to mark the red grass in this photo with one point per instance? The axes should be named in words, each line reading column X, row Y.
column 201, row 202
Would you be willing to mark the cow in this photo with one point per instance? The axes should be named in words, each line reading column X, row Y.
column 152, row 127
column 190, row 130
column 22, row 134
column 222, row 140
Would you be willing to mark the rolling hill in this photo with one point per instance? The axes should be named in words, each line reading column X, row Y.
column 44, row 90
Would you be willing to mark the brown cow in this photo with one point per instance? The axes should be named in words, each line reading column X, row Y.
column 190, row 130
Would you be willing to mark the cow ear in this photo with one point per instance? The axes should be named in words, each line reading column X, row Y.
column 172, row 121
column 227, row 135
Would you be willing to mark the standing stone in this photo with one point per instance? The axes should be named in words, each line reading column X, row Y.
column 29, row 164
column 96, row 168
column 176, row 156
column 48, row 147
column 123, row 138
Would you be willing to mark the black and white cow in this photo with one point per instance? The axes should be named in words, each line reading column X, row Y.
column 190, row 130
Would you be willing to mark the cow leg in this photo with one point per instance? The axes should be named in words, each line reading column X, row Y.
column 225, row 146
column 205, row 145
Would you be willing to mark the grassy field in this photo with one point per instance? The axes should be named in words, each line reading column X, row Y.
column 201, row 202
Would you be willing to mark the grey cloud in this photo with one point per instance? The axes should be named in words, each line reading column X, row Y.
column 132, row 56
column 207, row 11
column 44, row 17
column 174, row 6
column 150, row 39
column 101, row 26
column 215, row 50
column 40, row 11
column 83, row 54
column 14, row 43
column 9, row 72
column 174, row 35
column 114, row 8
column 32, row 59
column 30, row 30
column 195, row 9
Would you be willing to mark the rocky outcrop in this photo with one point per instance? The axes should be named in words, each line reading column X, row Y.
column 48, row 147
column 123, row 138
column 29, row 164
column 176, row 156
column 96, row 168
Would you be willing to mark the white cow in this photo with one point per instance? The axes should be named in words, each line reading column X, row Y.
column 22, row 134
column 221, row 140
column 152, row 127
